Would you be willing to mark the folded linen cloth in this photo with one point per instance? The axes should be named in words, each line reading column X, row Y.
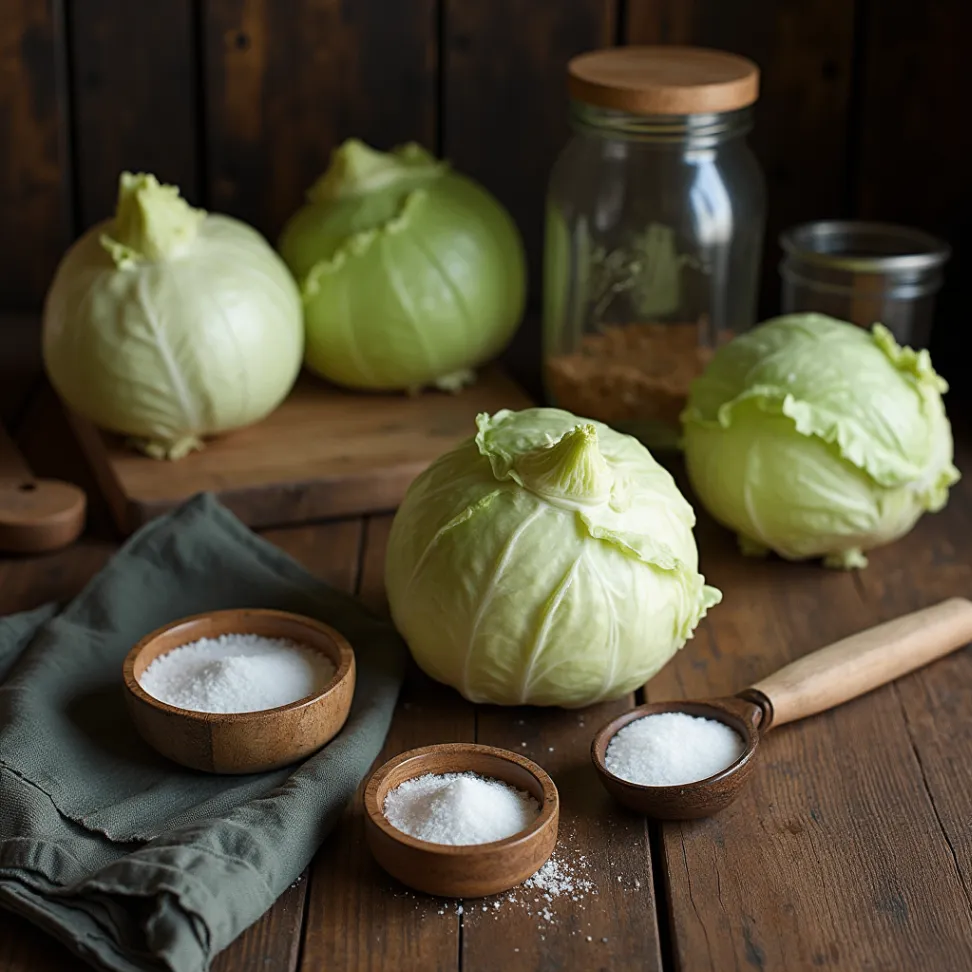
column 132, row 861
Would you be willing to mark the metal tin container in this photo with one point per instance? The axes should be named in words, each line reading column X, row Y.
column 864, row 273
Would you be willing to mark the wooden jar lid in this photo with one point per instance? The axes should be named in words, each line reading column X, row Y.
column 663, row 80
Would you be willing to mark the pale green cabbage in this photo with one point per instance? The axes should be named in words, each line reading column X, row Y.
column 411, row 274
column 168, row 325
column 547, row 560
column 815, row 438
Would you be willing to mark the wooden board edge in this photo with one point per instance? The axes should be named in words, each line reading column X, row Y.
column 311, row 501
column 257, row 506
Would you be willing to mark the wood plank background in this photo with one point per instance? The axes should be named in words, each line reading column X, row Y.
column 241, row 101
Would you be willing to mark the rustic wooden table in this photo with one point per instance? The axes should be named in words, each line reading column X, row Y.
column 851, row 849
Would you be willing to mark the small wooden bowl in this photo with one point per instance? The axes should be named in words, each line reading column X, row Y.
column 464, row 870
column 686, row 801
column 241, row 742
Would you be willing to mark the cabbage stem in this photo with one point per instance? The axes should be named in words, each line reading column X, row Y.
column 152, row 222
column 572, row 468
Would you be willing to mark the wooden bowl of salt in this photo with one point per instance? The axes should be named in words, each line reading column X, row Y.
column 460, row 870
column 292, row 653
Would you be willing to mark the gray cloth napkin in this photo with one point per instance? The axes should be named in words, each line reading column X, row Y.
column 132, row 861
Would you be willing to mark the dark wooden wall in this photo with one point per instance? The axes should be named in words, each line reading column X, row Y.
column 864, row 107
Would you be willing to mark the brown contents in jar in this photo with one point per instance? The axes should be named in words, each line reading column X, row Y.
column 630, row 372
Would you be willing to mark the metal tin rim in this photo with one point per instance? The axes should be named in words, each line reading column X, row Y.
column 879, row 290
column 820, row 243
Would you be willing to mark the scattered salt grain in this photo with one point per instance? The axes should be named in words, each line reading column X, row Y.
column 459, row 808
column 671, row 748
column 236, row 673
column 556, row 878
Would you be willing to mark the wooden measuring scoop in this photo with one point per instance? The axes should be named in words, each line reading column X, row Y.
column 36, row 515
column 812, row 684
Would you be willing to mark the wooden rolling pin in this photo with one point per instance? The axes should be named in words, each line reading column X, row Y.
column 36, row 515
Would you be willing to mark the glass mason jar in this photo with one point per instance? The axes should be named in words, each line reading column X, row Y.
column 655, row 216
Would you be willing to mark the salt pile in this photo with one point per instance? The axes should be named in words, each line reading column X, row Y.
column 459, row 808
column 237, row 673
column 672, row 748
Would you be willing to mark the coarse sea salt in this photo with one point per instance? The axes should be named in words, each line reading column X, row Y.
column 672, row 748
column 459, row 808
column 237, row 673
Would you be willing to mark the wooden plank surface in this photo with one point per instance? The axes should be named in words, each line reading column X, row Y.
column 324, row 452
column 332, row 552
column 804, row 49
column 359, row 918
column 849, row 849
column 135, row 100
column 35, row 212
column 287, row 82
column 505, row 111
column 612, row 923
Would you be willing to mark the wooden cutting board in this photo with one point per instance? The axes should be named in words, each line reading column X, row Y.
column 323, row 453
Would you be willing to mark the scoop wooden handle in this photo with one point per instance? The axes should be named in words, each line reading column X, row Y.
column 36, row 515
column 855, row 665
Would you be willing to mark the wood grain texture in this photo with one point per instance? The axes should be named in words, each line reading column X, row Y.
column 612, row 924
column 331, row 551
column 286, row 83
column 911, row 161
column 35, row 212
column 324, row 452
column 358, row 918
column 505, row 111
column 272, row 942
column 134, row 97
column 930, row 563
column 804, row 49
column 835, row 855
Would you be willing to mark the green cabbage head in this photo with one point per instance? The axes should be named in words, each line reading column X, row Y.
column 411, row 274
column 548, row 560
column 167, row 324
column 815, row 438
